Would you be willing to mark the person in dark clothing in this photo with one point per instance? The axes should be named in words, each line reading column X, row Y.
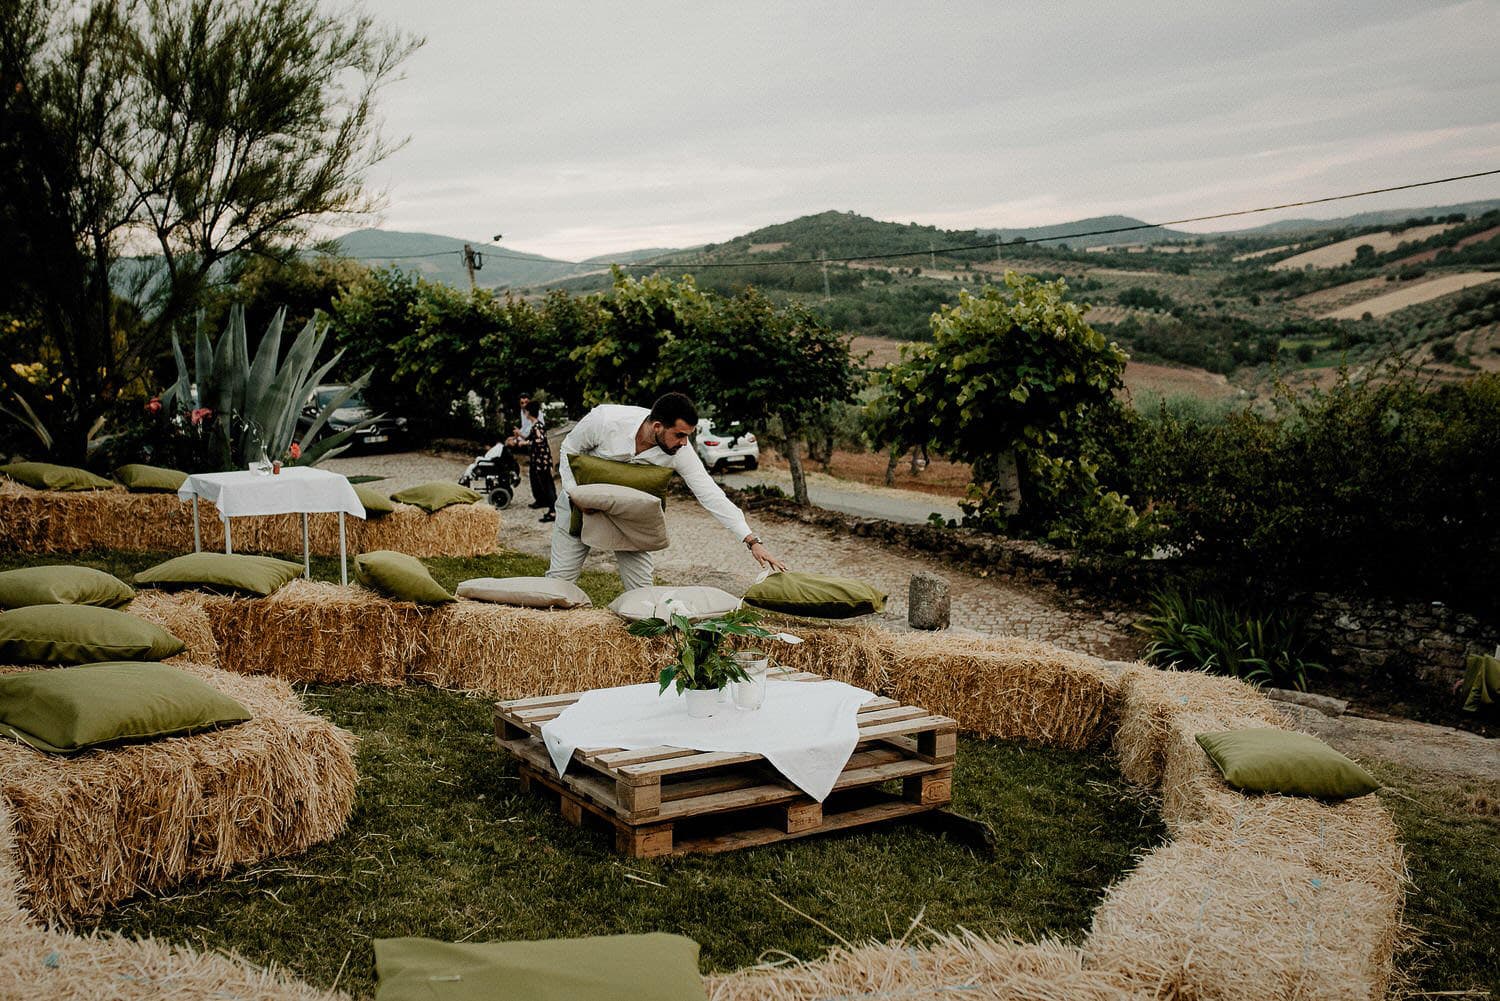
column 543, row 490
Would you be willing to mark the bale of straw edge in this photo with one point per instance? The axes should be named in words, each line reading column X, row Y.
column 1149, row 699
column 98, row 827
column 858, row 655
column 1352, row 837
column 310, row 631
column 45, row 521
column 1218, row 924
column 513, row 652
column 961, row 965
column 183, row 615
column 1011, row 688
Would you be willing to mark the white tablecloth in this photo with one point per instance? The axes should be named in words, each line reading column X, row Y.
column 806, row 730
column 295, row 490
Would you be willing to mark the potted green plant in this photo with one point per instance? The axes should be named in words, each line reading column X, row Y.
column 702, row 664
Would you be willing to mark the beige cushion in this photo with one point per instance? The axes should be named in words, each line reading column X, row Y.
column 691, row 602
column 622, row 518
column 528, row 592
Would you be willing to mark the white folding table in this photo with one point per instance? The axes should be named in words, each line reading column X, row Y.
column 300, row 490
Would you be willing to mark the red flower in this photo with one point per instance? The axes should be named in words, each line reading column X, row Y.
column 199, row 415
column 295, row 451
column 153, row 405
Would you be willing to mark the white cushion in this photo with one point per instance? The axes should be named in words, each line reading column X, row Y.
column 658, row 602
column 620, row 518
column 528, row 592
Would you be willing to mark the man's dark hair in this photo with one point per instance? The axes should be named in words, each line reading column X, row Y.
column 534, row 407
column 671, row 408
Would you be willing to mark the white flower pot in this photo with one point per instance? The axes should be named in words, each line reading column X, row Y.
column 701, row 704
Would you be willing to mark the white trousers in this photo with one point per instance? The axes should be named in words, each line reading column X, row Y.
column 569, row 552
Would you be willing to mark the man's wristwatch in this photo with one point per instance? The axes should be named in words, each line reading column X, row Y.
column 752, row 540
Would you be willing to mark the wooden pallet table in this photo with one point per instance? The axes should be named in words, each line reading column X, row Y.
column 671, row 800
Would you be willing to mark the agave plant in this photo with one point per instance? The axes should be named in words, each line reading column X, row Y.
column 257, row 401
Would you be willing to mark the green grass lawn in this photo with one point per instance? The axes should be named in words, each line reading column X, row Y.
column 442, row 843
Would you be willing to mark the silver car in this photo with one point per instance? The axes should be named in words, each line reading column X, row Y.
column 734, row 446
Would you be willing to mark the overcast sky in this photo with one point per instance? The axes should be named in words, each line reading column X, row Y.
column 583, row 129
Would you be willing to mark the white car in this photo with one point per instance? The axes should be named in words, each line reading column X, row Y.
column 734, row 446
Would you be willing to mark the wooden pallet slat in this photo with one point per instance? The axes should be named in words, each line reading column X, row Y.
column 669, row 800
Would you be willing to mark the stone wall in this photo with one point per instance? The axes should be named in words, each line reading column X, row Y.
column 1426, row 643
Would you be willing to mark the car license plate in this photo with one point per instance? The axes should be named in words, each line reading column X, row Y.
column 376, row 439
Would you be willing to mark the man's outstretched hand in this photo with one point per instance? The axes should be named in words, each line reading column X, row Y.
column 764, row 558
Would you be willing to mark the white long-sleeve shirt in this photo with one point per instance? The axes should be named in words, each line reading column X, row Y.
column 608, row 431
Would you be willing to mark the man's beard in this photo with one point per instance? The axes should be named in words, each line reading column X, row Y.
column 669, row 449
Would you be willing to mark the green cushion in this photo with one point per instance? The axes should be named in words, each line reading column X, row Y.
column 1481, row 682
column 435, row 496
column 227, row 572
column 143, row 479
column 652, row 967
column 80, row 634
column 400, row 576
column 70, row 710
column 62, row 585
column 815, row 595
column 46, row 476
column 375, row 502
column 645, row 476
column 1269, row 760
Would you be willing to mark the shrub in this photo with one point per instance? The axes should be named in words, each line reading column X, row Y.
column 1206, row 633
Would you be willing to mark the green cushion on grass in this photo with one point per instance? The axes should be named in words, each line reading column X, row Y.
column 1265, row 759
column 644, row 476
column 652, row 967
column 375, row 502
column 65, row 711
column 400, row 576
column 46, row 476
column 62, row 585
column 230, row 572
column 80, row 634
column 435, row 496
column 142, row 479
column 815, row 595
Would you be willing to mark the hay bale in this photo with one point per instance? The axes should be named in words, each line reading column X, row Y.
column 98, row 827
column 1006, row 687
column 965, row 965
column 1353, row 837
column 183, row 616
column 310, row 631
column 1150, row 699
column 859, row 655
column 508, row 652
column 46, row 521
column 1215, row 924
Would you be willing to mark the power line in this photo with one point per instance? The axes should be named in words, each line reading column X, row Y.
column 990, row 244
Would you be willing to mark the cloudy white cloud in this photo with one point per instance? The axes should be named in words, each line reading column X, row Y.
column 583, row 129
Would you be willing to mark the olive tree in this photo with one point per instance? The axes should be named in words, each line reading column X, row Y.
column 1008, row 384
column 144, row 144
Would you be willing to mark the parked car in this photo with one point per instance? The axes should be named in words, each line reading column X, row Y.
column 732, row 446
column 370, row 429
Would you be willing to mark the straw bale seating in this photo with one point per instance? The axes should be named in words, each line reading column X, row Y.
column 1254, row 897
column 100, row 826
column 47, row 521
column 38, row 962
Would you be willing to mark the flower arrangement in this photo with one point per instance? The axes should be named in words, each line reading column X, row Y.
column 702, row 661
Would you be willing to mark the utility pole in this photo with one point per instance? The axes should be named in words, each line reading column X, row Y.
column 473, row 261
column 997, row 248
column 827, row 295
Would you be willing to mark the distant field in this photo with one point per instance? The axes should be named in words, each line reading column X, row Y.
column 1412, row 294
column 1140, row 377
column 1338, row 254
column 1264, row 253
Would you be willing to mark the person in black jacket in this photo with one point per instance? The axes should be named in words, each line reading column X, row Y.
column 543, row 490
